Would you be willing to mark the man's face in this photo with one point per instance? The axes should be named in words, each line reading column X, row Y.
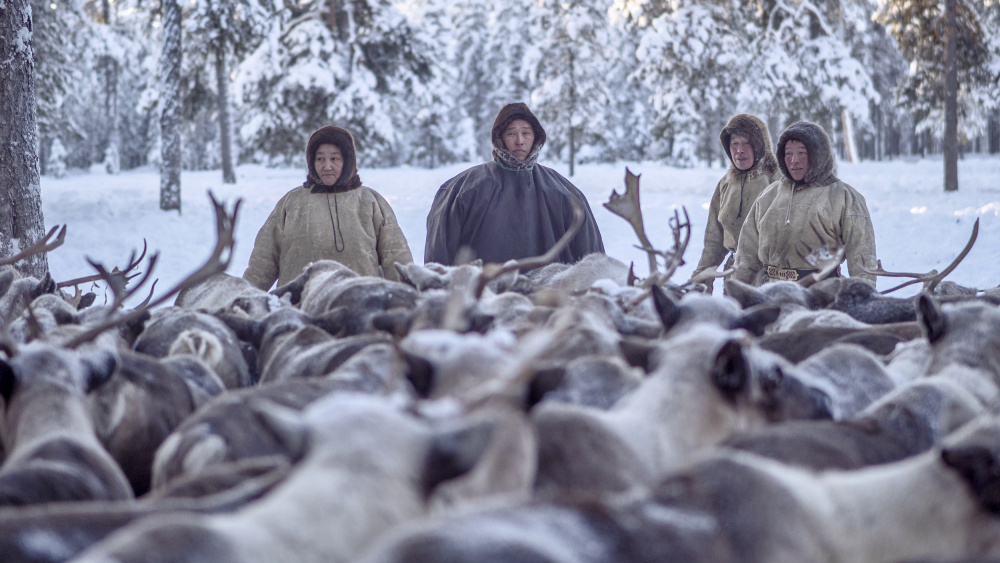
column 741, row 151
column 518, row 138
column 796, row 159
column 329, row 163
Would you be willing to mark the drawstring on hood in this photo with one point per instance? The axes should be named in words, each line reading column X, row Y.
column 743, row 183
column 505, row 116
column 348, row 180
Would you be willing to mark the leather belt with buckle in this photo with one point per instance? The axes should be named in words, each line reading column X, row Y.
column 775, row 273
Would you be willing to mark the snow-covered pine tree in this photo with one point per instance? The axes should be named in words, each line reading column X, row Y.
column 692, row 58
column 220, row 32
column 439, row 131
column 354, row 63
column 801, row 67
column 56, row 166
column 489, row 40
column 567, row 69
column 21, row 220
column 923, row 30
column 57, row 75
column 627, row 115
column 170, row 111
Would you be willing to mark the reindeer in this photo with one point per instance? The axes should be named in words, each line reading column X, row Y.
column 342, row 496
column 739, row 507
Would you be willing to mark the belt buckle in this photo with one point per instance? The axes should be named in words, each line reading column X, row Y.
column 784, row 274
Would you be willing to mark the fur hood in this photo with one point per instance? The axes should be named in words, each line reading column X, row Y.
column 754, row 129
column 509, row 113
column 822, row 167
column 343, row 140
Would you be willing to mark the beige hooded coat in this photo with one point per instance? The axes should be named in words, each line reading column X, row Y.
column 737, row 190
column 346, row 222
column 791, row 218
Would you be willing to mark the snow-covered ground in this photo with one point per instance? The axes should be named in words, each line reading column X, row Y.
column 918, row 226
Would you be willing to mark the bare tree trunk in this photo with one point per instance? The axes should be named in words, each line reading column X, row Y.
column 222, row 85
column 21, row 220
column 850, row 146
column 950, row 101
column 170, row 108
column 572, row 111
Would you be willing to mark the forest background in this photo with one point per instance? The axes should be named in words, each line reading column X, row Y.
column 419, row 82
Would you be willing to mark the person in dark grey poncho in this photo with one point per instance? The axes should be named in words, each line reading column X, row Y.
column 511, row 207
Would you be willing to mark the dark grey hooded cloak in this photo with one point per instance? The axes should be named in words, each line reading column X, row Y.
column 507, row 209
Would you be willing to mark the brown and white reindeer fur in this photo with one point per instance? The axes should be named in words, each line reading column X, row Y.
column 369, row 467
column 741, row 508
column 709, row 383
column 52, row 450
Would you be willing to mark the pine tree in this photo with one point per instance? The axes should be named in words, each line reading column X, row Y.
column 692, row 60
column 57, row 74
column 949, row 55
column 170, row 123
column 56, row 166
column 21, row 220
column 355, row 63
column 567, row 70
column 221, row 31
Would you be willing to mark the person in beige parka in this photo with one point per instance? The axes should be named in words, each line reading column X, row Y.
column 329, row 217
column 752, row 167
column 807, row 209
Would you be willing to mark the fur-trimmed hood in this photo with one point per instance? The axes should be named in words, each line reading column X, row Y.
column 501, row 155
column 754, row 129
column 822, row 166
column 343, row 140
column 509, row 113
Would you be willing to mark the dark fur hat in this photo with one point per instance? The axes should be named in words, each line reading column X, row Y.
column 509, row 113
column 343, row 140
column 822, row 167
column 754, row 129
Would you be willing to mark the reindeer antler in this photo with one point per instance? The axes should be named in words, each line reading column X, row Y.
column 41, row 245
column 627, row 207
column 115, row 277
column 225, row 224
column 932, row 278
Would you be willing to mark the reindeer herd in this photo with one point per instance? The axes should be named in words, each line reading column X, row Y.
column 523, row 412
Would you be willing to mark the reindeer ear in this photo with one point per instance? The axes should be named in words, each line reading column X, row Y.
column 454, row 452
column 746, row 294
column 245, row 328
column 668, row 309
column 45, row 285
column 285, row 425
column 757, row 319
column 546, row 378
column 293, row 288
column 930, row 317
column 731, row 371
column 979, row 467
column 99, row 366
column 420, row 374
column 8, row 381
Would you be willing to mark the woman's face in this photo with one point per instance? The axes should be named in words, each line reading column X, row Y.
column 329, row 163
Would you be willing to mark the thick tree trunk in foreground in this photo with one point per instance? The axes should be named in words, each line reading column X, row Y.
column 950, row 100
column 170, row 108
column 21, row 221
